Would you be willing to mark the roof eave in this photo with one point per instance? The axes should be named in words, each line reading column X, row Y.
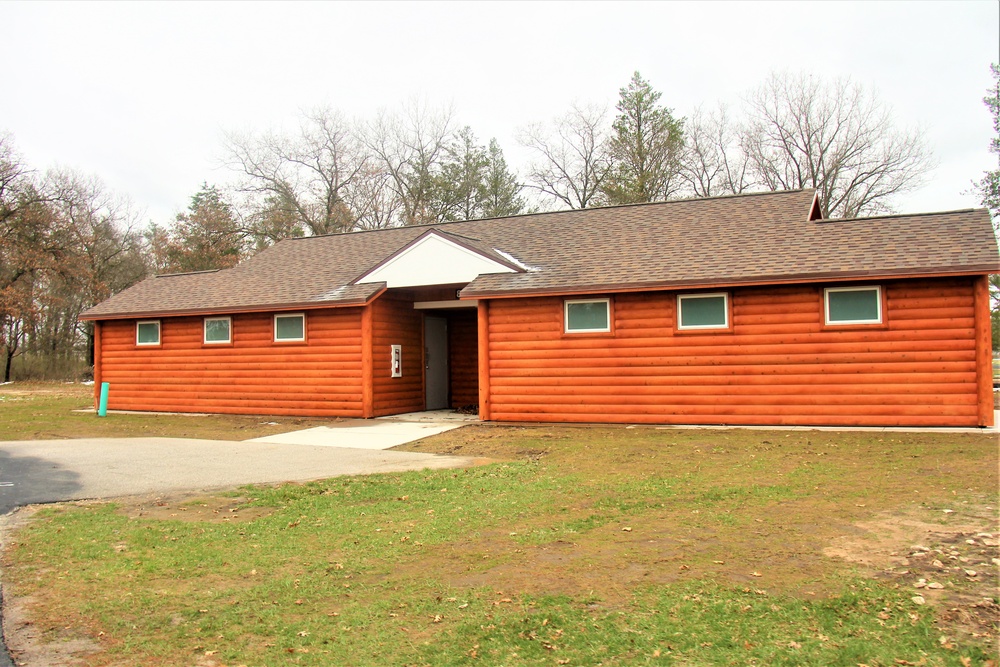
column 262, row 308
column 714, row 283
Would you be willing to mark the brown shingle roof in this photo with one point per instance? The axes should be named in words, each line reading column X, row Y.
column 746, row 239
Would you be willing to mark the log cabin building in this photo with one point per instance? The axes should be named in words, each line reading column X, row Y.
column 738, row 310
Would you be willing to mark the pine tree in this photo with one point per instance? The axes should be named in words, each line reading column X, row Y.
column 206, row 236
column 645, row 147
column 501, row 194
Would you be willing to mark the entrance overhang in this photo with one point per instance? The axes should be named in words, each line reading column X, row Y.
column 438, row 305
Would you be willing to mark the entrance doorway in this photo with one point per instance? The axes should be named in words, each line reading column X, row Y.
column 435, row 363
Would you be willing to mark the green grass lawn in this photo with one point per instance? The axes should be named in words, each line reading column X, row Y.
column 37, row 411
column 577, row 546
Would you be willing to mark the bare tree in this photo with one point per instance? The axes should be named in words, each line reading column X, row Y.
column 713, row 162
column 66, row 243
column 838, row 138
column 101, row 233
column 377, row 203
column 103, row 254
column 14, row 179
column 27, row 247
column 410, row 149
column 309, row 177
column 572, row 161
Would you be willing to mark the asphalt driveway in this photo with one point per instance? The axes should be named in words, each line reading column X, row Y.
column 40, row 471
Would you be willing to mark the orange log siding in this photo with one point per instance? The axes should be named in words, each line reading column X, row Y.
column 321, row 377
column 483, row 330
column 463, row 363
column 97, row 365
column 395, row 322
column 984, row 351
column 777, row 365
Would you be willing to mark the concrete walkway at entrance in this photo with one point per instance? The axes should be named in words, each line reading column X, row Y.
column 381, row 433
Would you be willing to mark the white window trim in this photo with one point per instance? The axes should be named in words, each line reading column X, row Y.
column 204, row 330
column 289, row 340
column 697, row 327
column 566, row 305
column 860, row 288
column 159, row 332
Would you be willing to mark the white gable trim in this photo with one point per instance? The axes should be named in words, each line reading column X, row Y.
column 433, row 260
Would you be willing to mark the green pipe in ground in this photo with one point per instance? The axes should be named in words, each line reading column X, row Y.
column 102, row 407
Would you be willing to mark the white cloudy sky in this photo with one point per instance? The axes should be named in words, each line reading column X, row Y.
column 140, row 93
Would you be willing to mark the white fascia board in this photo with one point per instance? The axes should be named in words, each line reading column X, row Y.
column 433, row 260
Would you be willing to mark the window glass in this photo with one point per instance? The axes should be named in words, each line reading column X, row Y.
column 588, row 315
column 217, row 330
column 289, row 327
column 147, row 333
column 708, row 311
column 854, row 305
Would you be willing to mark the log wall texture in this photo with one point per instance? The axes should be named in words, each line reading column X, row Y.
column 395, row 322
column 254, row 375
column 463, row 358
column 779, row 364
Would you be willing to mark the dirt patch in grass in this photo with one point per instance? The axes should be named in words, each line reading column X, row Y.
column 37, row 647
column 193, row 509
column 948, row 559
column 52, row 389
column 37, row 643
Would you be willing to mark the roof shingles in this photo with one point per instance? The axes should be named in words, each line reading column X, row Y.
column 745, row 239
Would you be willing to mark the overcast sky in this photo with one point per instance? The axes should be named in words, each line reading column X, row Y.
column 140, row 93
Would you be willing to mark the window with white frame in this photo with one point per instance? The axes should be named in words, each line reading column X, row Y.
column 588, row 316
column 702, row 311
column 853, row 305
column 290, row 328
column 218, row 330
column 147, row 332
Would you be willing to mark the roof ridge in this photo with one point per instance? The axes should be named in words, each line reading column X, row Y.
column 189, row 273
column 461, row 236
column 432, row 225
column 891, row 216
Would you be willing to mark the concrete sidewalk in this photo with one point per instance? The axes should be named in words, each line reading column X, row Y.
column 381, row 433
column 39, row 471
